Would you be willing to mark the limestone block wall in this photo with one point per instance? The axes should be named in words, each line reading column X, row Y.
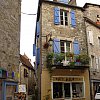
column 10, row 34
column 59, row 31
column 92, row 11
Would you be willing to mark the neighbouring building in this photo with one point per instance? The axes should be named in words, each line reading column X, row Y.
column 62, row 62
column 27, row 76
column 9, row 48
column 92, row 21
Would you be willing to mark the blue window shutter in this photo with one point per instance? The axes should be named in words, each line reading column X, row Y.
column 56, row 45
column 64, row 1
column 56, row 16
column 76, row 47
column 73, row 20
column 34, row 49
column 38, row 29
column 38, row 56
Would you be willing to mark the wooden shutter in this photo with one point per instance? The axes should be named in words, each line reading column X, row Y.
column 38, row 56
column 73, row 20
column 90, row 35
column 97, row 62
column 38, row 29
column 56, row 16
column 56, row 45
column 76, row 47
column 34, row 49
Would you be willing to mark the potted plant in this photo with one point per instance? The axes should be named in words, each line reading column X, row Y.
column 58, row 58
column 84, row 59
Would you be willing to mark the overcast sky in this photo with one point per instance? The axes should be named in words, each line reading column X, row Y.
column 28, row 24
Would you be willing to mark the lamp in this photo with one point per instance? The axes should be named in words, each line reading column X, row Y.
column 48, row 41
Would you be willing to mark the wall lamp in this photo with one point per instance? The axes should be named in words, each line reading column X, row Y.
column 48, row 41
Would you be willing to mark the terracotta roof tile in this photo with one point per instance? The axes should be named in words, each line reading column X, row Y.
column 26, row 62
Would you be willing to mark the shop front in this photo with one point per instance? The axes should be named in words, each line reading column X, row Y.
column 68, row 88
column 70, row 85
column 8, row 89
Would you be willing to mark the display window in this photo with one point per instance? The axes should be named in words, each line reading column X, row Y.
column 68, row 90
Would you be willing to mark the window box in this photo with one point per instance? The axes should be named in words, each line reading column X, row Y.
column 68, row 60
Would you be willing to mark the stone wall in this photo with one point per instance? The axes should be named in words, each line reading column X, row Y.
column 10, row 34
column 60, row 31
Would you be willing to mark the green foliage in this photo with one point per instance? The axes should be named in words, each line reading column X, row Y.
column 84, row 58
column 58, row 58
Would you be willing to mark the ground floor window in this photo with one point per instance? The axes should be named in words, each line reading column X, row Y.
column 68, row 90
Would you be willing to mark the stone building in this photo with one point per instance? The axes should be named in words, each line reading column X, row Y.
column 92, row 21
column 27, row 76
column 9, row 47
column 59, row 41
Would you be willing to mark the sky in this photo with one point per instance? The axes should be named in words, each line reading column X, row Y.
column 28, row 24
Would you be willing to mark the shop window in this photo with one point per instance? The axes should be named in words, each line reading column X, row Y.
column 77, row 90
column 57, row 90
column 68, row 90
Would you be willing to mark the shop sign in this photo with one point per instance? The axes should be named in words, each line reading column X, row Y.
column 10, row 74
column 68, row 79
column 22, row 88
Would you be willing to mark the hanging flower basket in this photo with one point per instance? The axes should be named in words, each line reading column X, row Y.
column 46, row 45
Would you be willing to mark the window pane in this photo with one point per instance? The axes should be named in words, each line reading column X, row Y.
column 62, row 46
column 68, row 46
column 78, row 90
column 57, row 90
column 67, row 90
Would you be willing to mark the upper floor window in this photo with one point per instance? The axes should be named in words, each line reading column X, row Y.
column 90, row 37
column 63, row 17
column 65, row 46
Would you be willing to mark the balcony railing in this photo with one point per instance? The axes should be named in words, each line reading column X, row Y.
column 67, row 60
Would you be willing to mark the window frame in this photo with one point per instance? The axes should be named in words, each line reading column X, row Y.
column 71, row 90
column 64, row 14
column 65, row 46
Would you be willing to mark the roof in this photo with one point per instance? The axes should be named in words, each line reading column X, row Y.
column 91, row 22
column 26, row 62
column 86, row 5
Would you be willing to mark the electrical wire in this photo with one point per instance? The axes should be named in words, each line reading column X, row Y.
column 28, row 14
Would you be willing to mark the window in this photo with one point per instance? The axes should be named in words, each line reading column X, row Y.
column 68, row 90
column 77, row 90
column 99, row 41
column 92, row 61
column 65, row 46
column 98, row 18
column 63, row 17
column 90, row 37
